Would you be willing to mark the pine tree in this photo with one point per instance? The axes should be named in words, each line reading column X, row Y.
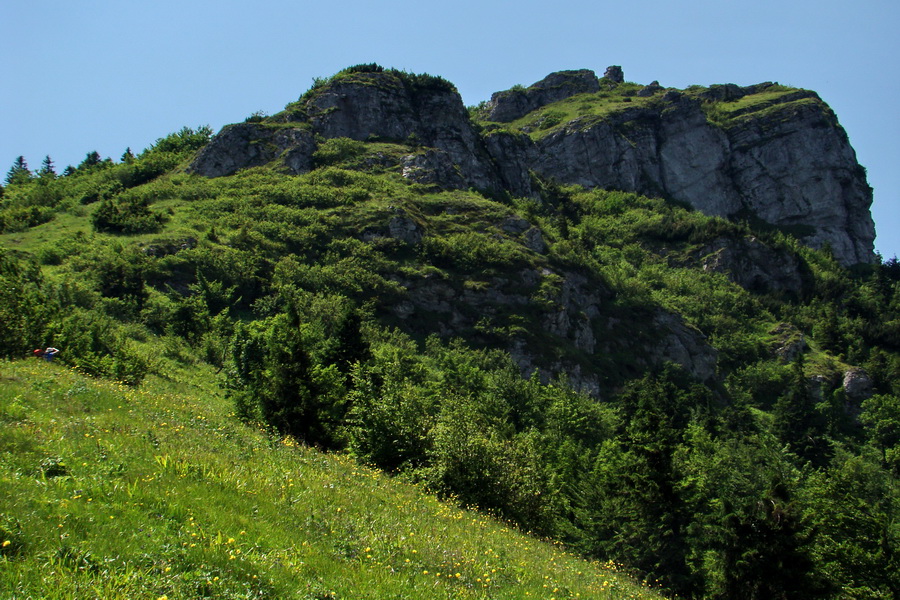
column 19, row 172
column 128, row 156
column 47, row 168
column 798, row 423
column 91, row 159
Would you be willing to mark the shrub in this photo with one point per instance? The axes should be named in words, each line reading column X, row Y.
column 364, row 68
column 126, row 215
column 337, row 150
column 184, row 140
column 94, row 344
column 25, row 306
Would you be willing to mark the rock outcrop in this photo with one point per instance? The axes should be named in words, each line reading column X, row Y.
column 857, row 385
column 518, row 102
column 573, row 312
column 614, row 74
column 362, row 106
column 755, row 266
column 245, row 145
column 761, row 153
column 685, row 346
column 787, row 163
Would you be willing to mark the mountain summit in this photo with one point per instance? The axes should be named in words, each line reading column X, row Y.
column 764, row 153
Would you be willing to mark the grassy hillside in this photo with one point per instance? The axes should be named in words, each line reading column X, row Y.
column 115, row 492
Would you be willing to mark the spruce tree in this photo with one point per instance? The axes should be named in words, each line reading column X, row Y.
column 47, row 168
column 19, row 172
column 798, row 423
column 91, row 159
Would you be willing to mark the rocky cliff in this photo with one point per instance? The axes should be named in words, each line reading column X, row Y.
column 764, row 153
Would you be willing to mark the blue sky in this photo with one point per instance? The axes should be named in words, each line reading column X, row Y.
column 105, row 75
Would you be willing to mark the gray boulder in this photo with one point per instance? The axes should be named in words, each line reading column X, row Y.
column 857, row 385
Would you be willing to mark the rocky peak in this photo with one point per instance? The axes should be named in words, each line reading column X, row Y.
column 761, row 153
column 764, row 153
column 615, row 74
column 517, row 102
column 385, row 105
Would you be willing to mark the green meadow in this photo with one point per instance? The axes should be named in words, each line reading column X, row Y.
column 112, row 491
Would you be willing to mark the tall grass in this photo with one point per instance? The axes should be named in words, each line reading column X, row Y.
column 115, row 492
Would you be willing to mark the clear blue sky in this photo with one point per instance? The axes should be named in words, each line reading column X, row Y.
column 105, row 75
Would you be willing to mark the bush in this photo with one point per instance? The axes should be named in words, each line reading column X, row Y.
column 93, row 343
column 126, row 215
column 99, row 189
column 337, row 150
column 470, row 251
column 184, row 140
column 25, row 306
column 364, row 68
column 21, row 218
column 276, row 378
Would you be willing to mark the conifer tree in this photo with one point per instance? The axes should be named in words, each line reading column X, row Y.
column 798, row 423
column 19, row 172
column 47, row 168
column 91, row 159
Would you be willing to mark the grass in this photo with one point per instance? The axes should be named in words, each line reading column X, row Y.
column 585, row 109
column 158, row 492
column 764, row 105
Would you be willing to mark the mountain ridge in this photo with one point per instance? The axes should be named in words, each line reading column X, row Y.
column 763, row 152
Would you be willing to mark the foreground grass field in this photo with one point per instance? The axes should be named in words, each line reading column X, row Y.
column 158, row 492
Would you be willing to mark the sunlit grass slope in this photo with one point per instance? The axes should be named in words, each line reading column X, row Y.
column 115, row 492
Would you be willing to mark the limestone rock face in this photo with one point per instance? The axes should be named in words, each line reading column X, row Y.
column 684, row 346
column 433, row 167
column 857, row 385
column 245, row 145
column 792, row 168
column 512, row 104
column 403, row 228
column 382, row 106
column 754, row 266
column 572, row 313
column 782, row 158
column 363, row 106
column 801, row 170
